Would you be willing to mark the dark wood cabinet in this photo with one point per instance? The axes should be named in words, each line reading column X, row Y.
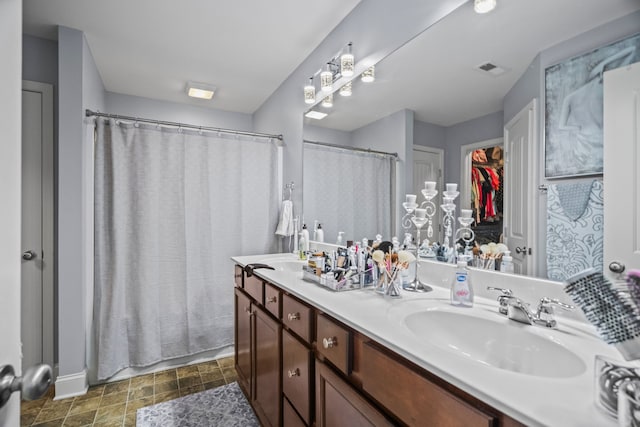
column 243, row 318
column 297, row 375
column 338, row 404
column 267, row 368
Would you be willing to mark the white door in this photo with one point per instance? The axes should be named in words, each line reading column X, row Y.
column 427, row 166
column 10, row 81
column 519, row 195
column 37, row 224
column 622, row 168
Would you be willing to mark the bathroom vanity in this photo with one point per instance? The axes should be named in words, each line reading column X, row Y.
column 308, row 356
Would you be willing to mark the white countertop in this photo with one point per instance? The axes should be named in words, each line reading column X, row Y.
column 532, row 400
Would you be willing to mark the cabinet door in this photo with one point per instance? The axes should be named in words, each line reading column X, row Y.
column 268, row 390
column 243, row 313
column 338, row 404
column 296, row 375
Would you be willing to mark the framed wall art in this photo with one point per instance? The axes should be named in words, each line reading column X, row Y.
column 574, row 108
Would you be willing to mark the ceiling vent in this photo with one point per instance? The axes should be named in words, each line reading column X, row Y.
column 490, row 68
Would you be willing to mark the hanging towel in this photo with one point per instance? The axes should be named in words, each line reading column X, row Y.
column 285, row 225
column 575, row 237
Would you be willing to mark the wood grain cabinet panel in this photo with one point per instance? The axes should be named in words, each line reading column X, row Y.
column 267, row 368
column 237, row 276
column 297, row 317
column 414, row 399
column 289, row 416
column 254, row 286
column 272, row 299
column 334, row 342
column 243, row 318
column 296, row 375
column 339, row 405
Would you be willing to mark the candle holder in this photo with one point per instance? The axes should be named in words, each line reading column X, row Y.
column 465, row 233
column 409, row 206
column 419, row 219
column 429, row 192
column 449, row 208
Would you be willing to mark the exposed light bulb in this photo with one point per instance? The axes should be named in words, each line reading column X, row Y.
column 369, row 75
column 326, row 79
column 347, row 62
column 310, row 92
column 484, row 6
column 327, row 102
column 346, row 90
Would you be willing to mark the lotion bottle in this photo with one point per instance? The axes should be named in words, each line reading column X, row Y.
column 461, row 288
column 506, row 265
column 319, row 233
column 304, row 234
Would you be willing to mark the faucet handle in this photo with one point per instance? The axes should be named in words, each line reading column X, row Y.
column 503, row 299
column 544, row 313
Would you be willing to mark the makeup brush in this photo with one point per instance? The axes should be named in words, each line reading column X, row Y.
column 613, row 314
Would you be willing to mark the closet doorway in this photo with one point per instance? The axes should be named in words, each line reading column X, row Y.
column 482, row 188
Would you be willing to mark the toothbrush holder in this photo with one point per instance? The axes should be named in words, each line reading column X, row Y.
column 617, row 389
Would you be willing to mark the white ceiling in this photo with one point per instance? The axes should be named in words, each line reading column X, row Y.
column 434, row 73
column 246, row 48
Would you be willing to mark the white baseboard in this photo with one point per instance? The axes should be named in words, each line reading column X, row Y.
column 71, row 385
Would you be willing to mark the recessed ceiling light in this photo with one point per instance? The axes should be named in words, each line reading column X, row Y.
column 318, row 115
column 484, row 6
column 200, row 90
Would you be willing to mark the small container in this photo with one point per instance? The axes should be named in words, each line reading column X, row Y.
column 461, row 288
column 506, row 264
column 319, row 233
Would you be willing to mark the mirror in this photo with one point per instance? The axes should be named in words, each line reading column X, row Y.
column 451, row 81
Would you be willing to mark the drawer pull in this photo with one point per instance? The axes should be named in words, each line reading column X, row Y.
column 272, row 299
column 248, row 311
column 329, row 342
column 294, row 373
column 293, row 316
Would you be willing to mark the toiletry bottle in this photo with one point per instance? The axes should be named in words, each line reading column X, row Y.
column 340, row 239
column 305, row 234
column 319, row 233
column 461, row 289
column 302, row 247
column 506, row 265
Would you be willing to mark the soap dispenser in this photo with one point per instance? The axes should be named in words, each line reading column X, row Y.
column 304, row 234
column 461, row 288
column 319, row 233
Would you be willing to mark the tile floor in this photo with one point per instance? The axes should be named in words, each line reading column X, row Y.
column 115, row 404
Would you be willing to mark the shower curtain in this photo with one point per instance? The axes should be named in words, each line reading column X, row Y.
column 348, row 191
column 171, row 207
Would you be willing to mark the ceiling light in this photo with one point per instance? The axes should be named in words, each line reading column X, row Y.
column 347, row 62
column 200, row 90
column 484, row 6
column 327, row 102
column 310, row 92
column 369, row 75
column 326, row 79
column 318, row 115
column 346, row 90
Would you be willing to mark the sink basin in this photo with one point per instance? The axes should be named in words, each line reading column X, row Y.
column 502, row 343
column 286, row 264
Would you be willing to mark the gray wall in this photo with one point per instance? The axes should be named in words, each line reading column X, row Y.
column 332, row 136
column 429, row 135
column 531, row 85
column 39, row 60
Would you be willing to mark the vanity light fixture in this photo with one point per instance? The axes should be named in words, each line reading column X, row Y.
column 313, row 114
column 326, row 78
column 200, row 90
column 310, row 92
column 346, row 90
column 327, row 102
column 369, row 75
column 484, row 6
column 347, row 62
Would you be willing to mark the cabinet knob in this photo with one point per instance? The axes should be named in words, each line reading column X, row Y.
column 272, row 299
column 329, row 342
column 293, row 373
column 248, row 311
column 293, row 316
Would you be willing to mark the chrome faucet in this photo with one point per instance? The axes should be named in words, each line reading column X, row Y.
column 516, row 309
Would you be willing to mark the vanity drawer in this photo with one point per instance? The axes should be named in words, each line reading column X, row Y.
column 254, row 286
column 237, row 276
column 297, row 317
column 272, row 299
column 296, row 375
column 334, row 343
column 412, row 398
column 289, row 416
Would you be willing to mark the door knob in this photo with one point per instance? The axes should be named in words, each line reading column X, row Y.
column 28, row 255
column 616, row 267
column 33, row 384
column 521, row 250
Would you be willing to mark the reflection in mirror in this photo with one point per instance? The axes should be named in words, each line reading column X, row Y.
column 436, row 81
column 348, row 190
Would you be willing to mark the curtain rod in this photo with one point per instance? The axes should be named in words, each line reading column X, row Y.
column 89, row 113
column 363, row 150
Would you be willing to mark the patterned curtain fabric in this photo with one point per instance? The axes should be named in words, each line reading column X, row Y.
column 171, row 208
column 347, row 190
column 575, row 223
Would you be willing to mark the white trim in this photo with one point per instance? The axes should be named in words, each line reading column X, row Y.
column 71, row 385
column 465, row 166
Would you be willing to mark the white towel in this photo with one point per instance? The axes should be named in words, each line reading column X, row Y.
column 285, row 226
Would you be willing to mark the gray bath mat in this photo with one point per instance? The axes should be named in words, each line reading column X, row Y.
column 221, row 406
